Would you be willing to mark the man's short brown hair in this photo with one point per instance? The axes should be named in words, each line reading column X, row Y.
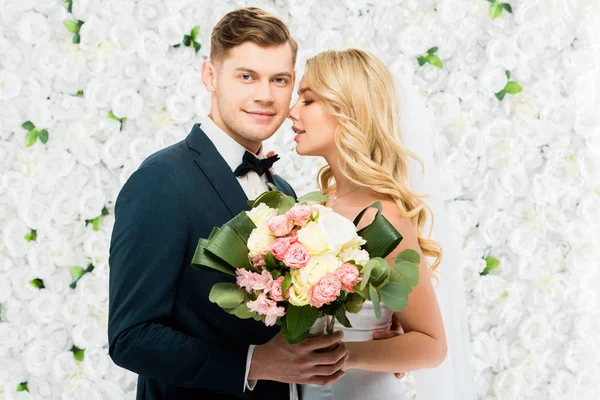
column 249, row 24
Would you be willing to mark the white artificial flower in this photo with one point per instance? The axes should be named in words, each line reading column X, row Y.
column 172, row 29
column 114, row 151
column 44, row 306
column 189, row 84
column 534, row 332
column 127, row 104
column 180, row 108
column 64, row 367
column 140, row 148
column 59, row 281
column 42, row 388
column 85, row 151
column 124, row 34
column 489, row 289
column 92, row 290
column 164, row 74
column 64, row 208
column 38, row 356
column 508, row 384
column 10, row 85
column 91, row 202
column 98, row 93
column 93, row 32
column 96, row 363
column 34, row 28
column 414, row 40
column 9, row 338
column 492, row 79
column 89, row 334
column 150, row 46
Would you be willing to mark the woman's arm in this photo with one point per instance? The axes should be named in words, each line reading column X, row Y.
column 423, row 345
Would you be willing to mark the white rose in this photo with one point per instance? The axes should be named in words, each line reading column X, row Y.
column 98, row 94
column 89, row 334
column 578, row 354
column 589, row 167
column 485, row 349
column 164, row 74
column 403, row 69
column 5, row 287
column 124, row 34
column 534, row 332
column 14, row 311
column 515, row 182
column 127, row 104
column 59, row 333
column 44, row 306
column 587, row 382
column 502, row 52
column 479, row 320
column 13, row 59
column 531, row 268
column 508, row 384
column 140, row 148
column 34, row 28
column 314, row 238
column 96, row 363
column 523, row 240
column 586, row 121
column 360, row 257
column 562, row 385
column 59, row 281
column 63, row 252
column 104, row 389
column 189, row 84
column 582, row 298
column 451, row 12
column 65, row 367
column 317, row 267
column 85, row 9
column 172, row 29
column 92, row 290
column 91, row 202
column 93, row 32
column 180, row 108
column 414, row 40
column 38, row 356
column 64, row 208
column 261, row 214
column 114, row 151
column 489, row 288
column 492, row 79
column 34, row 213
column 338, row 231
column 150, row 46
column 75, row 310
column 78, row 388
column 259, row 241
column 42, row 388
column 10, row 85
column 462, row 85
column 86, row 151
column 494, row 229
column 9, row 338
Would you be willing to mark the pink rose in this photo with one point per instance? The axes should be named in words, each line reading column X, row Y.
column 276, row 289
column 299, row 215
column 293, row 236
column 258, row 261
column 296, row 256
column 325, row 291
column 253, row 281
column 279, row 225
column 264, row 306
column 279, row 247
column 348, row 274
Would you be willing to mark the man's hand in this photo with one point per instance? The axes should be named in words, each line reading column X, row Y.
column 395, row 330
column 305, row 362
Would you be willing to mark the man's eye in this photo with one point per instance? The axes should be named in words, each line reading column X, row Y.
column 281, row 80
column 245, row 77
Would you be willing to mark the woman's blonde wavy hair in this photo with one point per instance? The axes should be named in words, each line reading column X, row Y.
column 358, row 89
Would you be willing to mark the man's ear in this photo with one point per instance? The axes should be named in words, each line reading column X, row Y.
column 209, row 76
column 294, row 79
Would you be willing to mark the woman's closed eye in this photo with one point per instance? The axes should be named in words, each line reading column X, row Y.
column 307, row 102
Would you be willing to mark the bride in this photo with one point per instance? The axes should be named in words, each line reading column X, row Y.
column 347, row 112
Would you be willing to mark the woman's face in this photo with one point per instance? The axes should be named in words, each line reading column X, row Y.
column 314, row 127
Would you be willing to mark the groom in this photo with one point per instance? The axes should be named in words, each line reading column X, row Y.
column 161, row 324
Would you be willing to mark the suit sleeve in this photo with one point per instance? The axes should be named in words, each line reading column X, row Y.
column 147, row 253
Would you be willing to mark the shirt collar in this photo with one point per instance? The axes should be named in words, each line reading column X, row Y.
column 231, row 151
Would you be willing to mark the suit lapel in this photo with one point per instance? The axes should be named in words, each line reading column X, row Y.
column 217, row 171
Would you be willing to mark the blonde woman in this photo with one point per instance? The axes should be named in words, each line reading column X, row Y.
column 347, row 113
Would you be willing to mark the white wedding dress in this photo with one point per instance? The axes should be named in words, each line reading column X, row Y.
column 358, row 384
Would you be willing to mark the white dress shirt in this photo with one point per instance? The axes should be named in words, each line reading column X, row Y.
column 252, row 184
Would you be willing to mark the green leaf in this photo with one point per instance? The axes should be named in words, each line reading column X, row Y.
column 195, row 31
column 89, row 268
column 76, row 38
column 375, row 300
column 500, row 95
column 313, row 197
column 111, row 115
column 285, row 284
column 37, row 283
column 270, row 260
column 226, row 294
column 366, row 272
column 288, row 336
column 32, row 235
column 394, row 296
column 230, row 247
column 408, row 255
column 299, row 319
column 507, row 74
column 43, row 135
column 242, row 312
column 30, row 138
column 242, row 225
column 507, row 7
column 421, row 60
column 435, row 61
column 432, row 50
column 187, row 40
column 70, row 7
column 381, row 236
column 379, row 271
column 275, row 273
column 274, row 199
column 72, row 26
column 340, row 315
column 77, row 272
column 354, row 303
column 491, row 263
column 513, row 88
column 79, row 93
column 495, row 10
column 28, row 125
column 22, row 387
column 206, row 261
column 406, row 274
column 78, row 353
column 197, row 46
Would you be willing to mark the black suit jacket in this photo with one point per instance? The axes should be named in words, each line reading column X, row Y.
column 161, row 324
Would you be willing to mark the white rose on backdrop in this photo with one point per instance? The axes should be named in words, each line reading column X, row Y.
column 10, row 85
column 64, row 208
column 492, row 79
column 189, row 84
column 127, row 103
column 42, row 388
column 104, row 389
column 98, row 93
column 59, row 281
column 403, row 69
column 414, row 40
column 579, row 231
column 579, row 355
column 479, row 320
column 64, row 367
column 451, row 12
column 587, row 121
column 75, row 311
column 180, row 108
column 44, row 306
column 114, row 151
column 5, row 286
column 589, row 167
column 588, row 209
column 563, row 385
column 151, row 47
column 489, row 289
column 514, row 182
column 562, row 326
column 508, row 384
column 587, row 382
column 112, row 8
column 124, row 34
column 534, row 331
column 78, row 388
column 140, row 148
column 172, row 29
column 91, row 202
column 13, row 235
column 471, row 59
column 85, row 9
column 582, row 298
column 431, row 79
column 34, row 214
column 58, row 333
column 92, row 290
column 14, row 59
column 494, row 229
column 89, row 334
column 528, row 42
column 93, row 32
column 63, row 251
column 464, row 215
column 164, row 74
column 96, row 363
column 14, row 311
column 523, row 240
column 33, row 28
column 485, row 349
column 462, row 85
column 38, row 356
column 501, row 52
column 544, row 189
column 67, row 107
column 149, row 11
column 85, row 151
column 9, row 339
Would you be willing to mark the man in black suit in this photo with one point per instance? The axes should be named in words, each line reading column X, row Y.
column 161, row 324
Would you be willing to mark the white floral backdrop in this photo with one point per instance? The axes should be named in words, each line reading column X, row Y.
column 89, row 88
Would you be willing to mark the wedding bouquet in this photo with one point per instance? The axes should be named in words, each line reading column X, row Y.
column 295, row 263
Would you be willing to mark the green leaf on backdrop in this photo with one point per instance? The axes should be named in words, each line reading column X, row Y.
column 22, row 387
column 43, row 135
column 495, row 10
column 187, row 40
column 340, row 315
column 195, row 31
column 313, row 197
column 491, row 263
column 72, row 26
column 197, row 46
column 37, row 283
column 501, row 94
column 28, row 125
column 421, row 60
column 270, row 261
column 435, row 61
column 30, row 138
column 31, row 236
column 78, row 353
column 226, row 295
column 513, row 88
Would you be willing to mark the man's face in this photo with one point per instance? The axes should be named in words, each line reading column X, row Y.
column 252, row 90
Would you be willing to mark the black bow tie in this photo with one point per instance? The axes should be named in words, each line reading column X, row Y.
column 251, row 163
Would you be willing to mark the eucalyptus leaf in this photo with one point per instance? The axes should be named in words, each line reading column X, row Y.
column 408, row 255
column 313, row 197
column 406, row 274
column 394, row 296
column 354, row 303
column 226, row 295
column 379, row 272
column 375, row 300
column 242, row 312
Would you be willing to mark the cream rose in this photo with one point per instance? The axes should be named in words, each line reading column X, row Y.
column 259, row 242
column 261, row 214
column 314, row 238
